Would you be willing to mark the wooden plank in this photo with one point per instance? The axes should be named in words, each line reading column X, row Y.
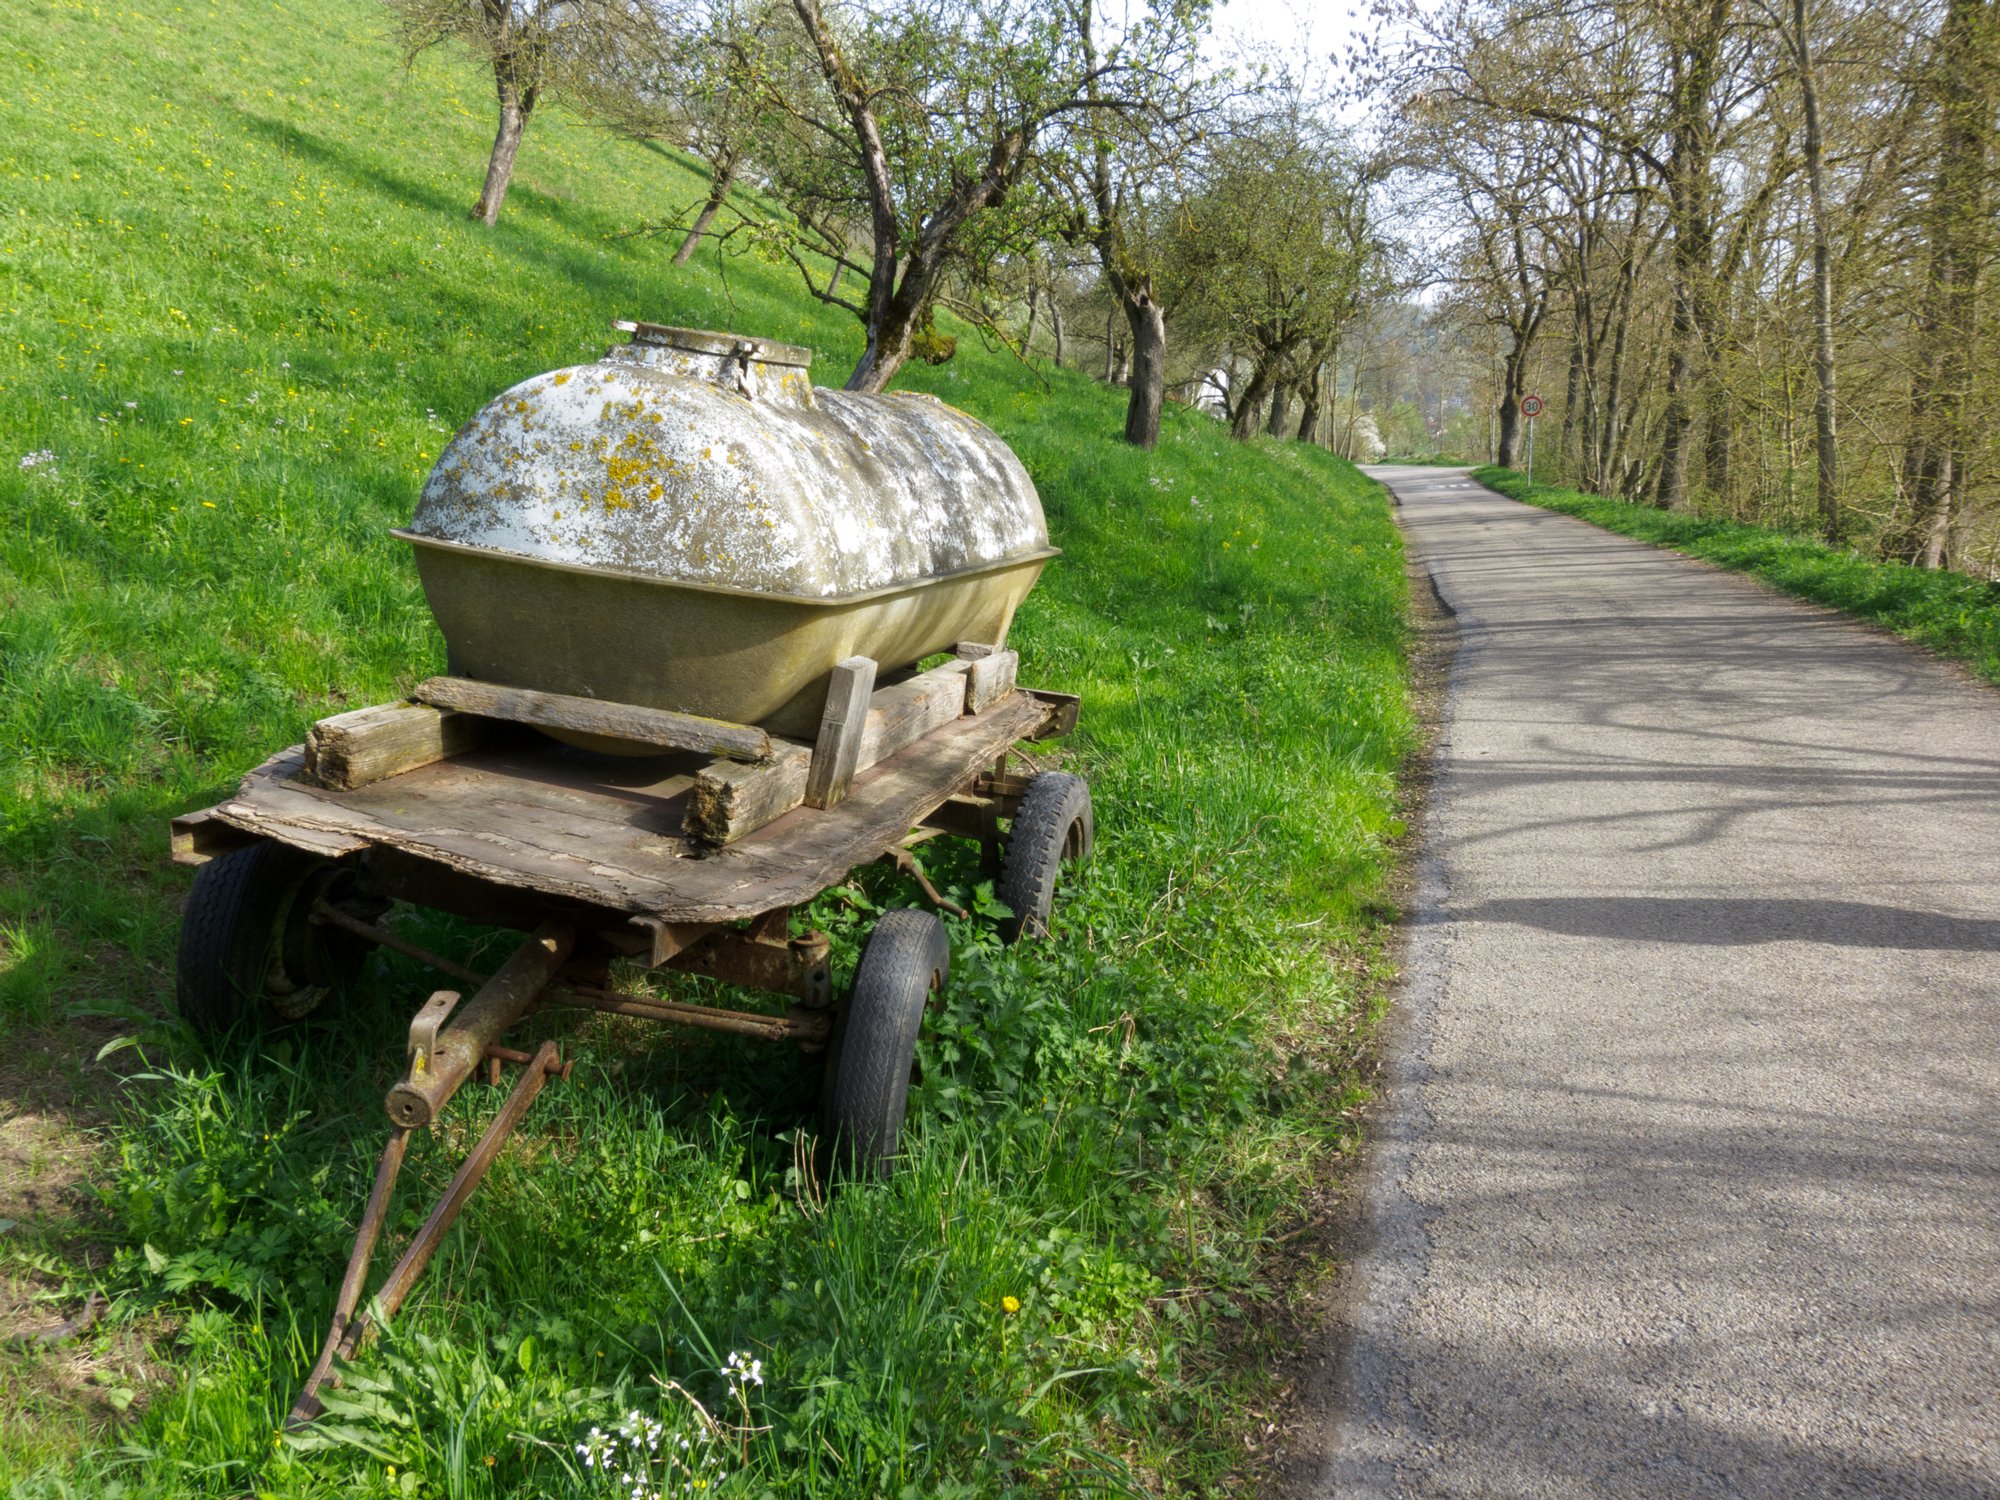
column 729, row 801
column 466, row 816
column 618, row 721
column 197, row 837
column 369, row 744
column 904, row 713
column 988, row 679
column 479, row 823
column 802, row 853
column 835, row 757
column 732, row 802
column 973, row 650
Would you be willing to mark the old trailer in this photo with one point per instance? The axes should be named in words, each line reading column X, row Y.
column 715, row 640
column 682, row 860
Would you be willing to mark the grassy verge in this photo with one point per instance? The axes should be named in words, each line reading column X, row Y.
column 1954, row 615
column 240, row 309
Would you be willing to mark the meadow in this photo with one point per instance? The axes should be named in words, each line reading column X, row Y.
column 241, row 309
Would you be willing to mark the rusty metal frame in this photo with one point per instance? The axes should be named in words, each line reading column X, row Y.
column 762, row 955
column 350, row 1327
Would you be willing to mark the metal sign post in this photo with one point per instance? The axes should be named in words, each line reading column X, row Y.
column 1531, row 407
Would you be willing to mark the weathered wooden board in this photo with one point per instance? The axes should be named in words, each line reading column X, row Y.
column 372, row 744
column 529, row 818
column 618, row 721
column 836, row 755
column 907, row 711
column 730, row 802
column 802, row 853
column 990, row 678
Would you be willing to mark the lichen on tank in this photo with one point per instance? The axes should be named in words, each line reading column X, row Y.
column 729, row 470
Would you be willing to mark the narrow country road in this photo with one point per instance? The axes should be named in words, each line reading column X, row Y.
column 1687, row 1179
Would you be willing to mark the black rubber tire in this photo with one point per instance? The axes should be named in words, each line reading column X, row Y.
column 874, row 1046
column 1052, row 828
column 247, row 944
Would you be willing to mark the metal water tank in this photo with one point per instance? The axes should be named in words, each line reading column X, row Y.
column 688, row 524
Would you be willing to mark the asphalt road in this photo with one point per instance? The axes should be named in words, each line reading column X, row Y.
column 1687, row 1181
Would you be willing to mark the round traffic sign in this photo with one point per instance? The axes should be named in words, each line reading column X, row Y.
column 1531, row 406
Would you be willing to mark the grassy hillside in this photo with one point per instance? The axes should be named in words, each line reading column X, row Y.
column 1952, row 614
column 241, row 308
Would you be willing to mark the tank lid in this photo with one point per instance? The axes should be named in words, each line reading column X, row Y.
column 708, row 341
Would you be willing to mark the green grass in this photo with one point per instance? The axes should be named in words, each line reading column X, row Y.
column 1953, row 614
column 241, row 305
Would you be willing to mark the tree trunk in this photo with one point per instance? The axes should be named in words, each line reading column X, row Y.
column 1719, row 450
column 1111, row 347
column 1281, row 394
column 1689, row 194
column 1243, row 421
column 1823, row 367
column 1149, row 370
column 515, row 107
column 1939, row 404
column 1513, row 386
column 1308, row 428
column 1056, row 328
column 1034, row 307
column 1617, row 421
column 887, row 347
column 1564, row 466
column 718, row 193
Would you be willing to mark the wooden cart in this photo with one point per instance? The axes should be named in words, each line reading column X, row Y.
column 689, row 850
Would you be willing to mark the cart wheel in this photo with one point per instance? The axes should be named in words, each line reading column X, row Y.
column 1052, row 828
column 247, row 939
column 874, row 1045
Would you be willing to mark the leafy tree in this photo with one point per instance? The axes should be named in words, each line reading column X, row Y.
column 1276, row 242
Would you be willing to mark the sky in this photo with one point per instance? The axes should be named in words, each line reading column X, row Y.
column 1297, row 26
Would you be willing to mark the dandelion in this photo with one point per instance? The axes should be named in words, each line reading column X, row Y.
column 1010, row 1305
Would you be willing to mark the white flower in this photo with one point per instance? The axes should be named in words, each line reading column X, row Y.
column 131, row 406
column 36, row 459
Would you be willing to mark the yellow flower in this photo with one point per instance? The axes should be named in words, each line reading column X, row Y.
column 1010, row 1305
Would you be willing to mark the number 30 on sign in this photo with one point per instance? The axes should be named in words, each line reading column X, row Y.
column 1531, row 406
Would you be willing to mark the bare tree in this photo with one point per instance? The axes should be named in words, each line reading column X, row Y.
column 684, row 72
column 932, row 125
column 525, row 42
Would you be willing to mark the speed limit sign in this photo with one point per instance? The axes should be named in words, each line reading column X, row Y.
column 1531, row 406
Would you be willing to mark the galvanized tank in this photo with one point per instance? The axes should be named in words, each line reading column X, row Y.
column 688, row 524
